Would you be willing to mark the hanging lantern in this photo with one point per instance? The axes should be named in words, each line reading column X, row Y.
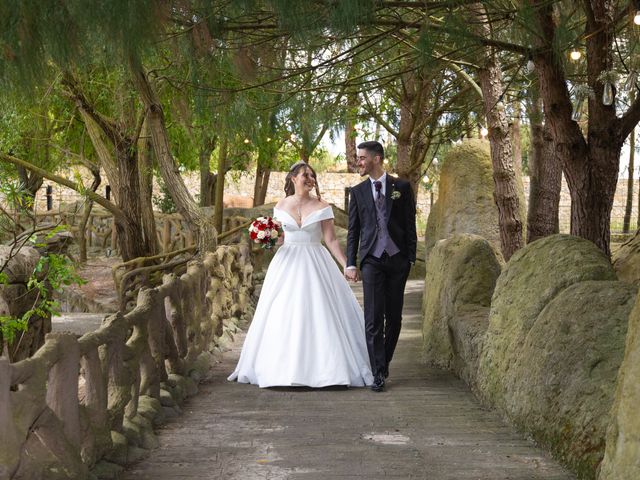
column 608, row 79
column 530, row 67
column 607, row 93
column 577, row 108
column 630, row 82
column 581, row 92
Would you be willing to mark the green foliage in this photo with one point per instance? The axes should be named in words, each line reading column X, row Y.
column 52, row 273
column 15, row 195
column 36, row 35
column 11, row 326
column 163, row 200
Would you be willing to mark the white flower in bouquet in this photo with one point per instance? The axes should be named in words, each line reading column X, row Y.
column 261, row 234
column 274, row 234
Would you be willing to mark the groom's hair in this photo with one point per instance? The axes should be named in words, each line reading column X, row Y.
column 374, row 147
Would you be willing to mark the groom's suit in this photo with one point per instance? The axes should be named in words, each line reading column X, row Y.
column 383, row 275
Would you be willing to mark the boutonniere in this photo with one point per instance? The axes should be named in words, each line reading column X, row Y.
column 395, row 195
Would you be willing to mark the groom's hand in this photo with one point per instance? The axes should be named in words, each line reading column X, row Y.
column 351, row 274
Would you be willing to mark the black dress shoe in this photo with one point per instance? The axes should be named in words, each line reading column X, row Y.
column 378, row 384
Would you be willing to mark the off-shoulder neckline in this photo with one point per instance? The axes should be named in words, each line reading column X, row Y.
column 304, row 220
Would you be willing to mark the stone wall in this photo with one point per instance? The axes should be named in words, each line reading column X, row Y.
column 238, row 183
column 332, row 188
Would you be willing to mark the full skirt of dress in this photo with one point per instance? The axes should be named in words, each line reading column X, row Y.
column 308, row 328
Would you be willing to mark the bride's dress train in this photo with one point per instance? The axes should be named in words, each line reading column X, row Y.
column 308, row 328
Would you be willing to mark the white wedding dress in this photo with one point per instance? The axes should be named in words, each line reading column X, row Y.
column 308, row 328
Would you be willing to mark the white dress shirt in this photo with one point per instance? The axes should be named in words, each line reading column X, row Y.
column 383, row 180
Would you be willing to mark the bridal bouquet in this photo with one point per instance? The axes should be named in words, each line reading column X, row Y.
column 265, row 231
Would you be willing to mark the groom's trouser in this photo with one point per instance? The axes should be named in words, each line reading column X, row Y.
column 383, row 282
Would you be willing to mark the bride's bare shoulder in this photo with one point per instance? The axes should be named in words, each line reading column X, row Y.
column 282, row 203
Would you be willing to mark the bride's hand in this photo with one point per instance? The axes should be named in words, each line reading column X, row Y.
column 351, row 274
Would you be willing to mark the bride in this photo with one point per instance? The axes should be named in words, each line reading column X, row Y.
column 308, row 328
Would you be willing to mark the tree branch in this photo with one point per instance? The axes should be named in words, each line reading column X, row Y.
column 67, row 183
column 371, row 111
column 630, row 119
column 105, row 124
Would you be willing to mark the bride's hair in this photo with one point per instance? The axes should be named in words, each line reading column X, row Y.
column 295, row 169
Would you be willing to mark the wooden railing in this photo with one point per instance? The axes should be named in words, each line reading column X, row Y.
column 173, row 233
column 72, row 403
column 130, row 276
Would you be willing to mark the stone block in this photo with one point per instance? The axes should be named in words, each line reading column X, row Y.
column 460, row 277
column 622, row 454
column 120, row 449
column 534, row 275
column 107, row 471
column 465, row 196
column 626, row 260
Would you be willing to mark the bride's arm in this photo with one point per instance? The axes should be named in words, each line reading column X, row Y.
column 332, row 242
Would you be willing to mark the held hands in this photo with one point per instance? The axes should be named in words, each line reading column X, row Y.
column 352, row 274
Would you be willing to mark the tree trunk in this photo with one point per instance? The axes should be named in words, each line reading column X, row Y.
column 222, row 162
column 121, row 169
column 261, row 184
column 132, row 241
column 590, row 165
column 629, row 205
column 31, row 181
column 207, row 179
column 350, row 133
column 145, row 174
column 504, row 173
column 185, row 203
column 545, row 177
column 516, row 138
column 86, row 213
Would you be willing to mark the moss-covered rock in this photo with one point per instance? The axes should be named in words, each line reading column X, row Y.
column 553, row 347
column 120, row 449
column 626, row 261
column 461, row 274
column 151, row 408
column 533, row 276
column 465, row 196
column 622, row 455
column 562, row 383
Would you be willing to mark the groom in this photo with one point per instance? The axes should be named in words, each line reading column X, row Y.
column 382, row 232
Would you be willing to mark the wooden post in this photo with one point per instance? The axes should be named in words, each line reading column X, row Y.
column 62, row 388
column 11, row 445
column 114, row 236
column 95, row 387
column 166, row 235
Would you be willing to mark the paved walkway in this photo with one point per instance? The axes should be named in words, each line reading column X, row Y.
column 426, row 425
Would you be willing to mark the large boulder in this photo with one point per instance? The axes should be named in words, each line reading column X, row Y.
column 622, row 455
column 461, row 274
column 553, row 346
column 534, row 275
column 626, row 260
column 565, row 375
column 465, row 196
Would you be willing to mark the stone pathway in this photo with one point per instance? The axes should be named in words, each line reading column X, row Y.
column 426, row 425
